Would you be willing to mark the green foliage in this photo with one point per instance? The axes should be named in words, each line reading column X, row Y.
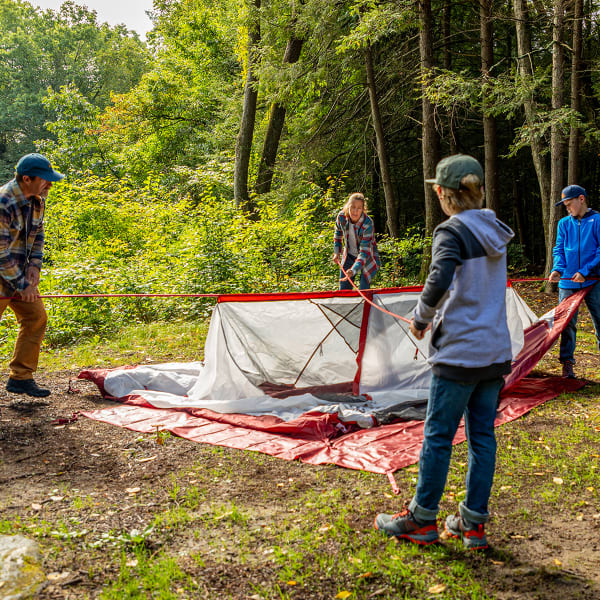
column 51, row 49
column 401, row 258
column 77, row 147
column 107, row 235
column 174, row 117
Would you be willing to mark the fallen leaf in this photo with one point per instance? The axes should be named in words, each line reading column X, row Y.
column 355, row 561
column 517, row 537
column 505, row 487
column 387, row 495
column 437, row 589
column 57, row 498
column 579, row 517
column 292, row 582
column 132, row 491
column 342, row 595
column 36, row 506
column 590, row 489
column 132, row 563
column 558, row 480
column 365, row 575
column 540, row 474
column 412, row 470
column 324, row 528
column 57, row 576
column 557, row 562
column 496, row 562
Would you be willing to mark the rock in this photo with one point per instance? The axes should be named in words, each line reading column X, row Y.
column 21, row 574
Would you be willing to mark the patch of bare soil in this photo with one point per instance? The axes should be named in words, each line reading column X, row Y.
column 84, row 479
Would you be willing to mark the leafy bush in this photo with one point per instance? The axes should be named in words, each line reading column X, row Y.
column 109, row 236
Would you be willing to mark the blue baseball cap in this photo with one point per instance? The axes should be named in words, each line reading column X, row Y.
column 36, row 165
column 571, row 191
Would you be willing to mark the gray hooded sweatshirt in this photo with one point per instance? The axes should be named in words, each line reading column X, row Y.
column 464, row 298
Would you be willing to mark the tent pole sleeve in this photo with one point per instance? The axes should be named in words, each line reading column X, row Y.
column 364, row 326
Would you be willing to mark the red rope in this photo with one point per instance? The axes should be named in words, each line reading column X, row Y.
column 546, row 279
column 383, row 310
column 175, row 295
column 119, row 296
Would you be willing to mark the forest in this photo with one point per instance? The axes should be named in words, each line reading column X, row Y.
column 213, row 156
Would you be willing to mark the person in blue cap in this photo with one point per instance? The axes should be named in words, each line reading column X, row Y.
column 22, row 205
column 576, row 266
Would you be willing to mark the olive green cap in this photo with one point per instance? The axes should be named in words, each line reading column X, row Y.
column 450, row 170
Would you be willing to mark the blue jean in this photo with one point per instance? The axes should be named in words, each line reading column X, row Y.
column 364, row 283
column 448, row 401
column 568, row 337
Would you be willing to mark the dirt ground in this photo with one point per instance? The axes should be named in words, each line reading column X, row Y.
column 65, row 468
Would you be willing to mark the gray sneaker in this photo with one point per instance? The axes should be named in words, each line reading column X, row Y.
column 404, row 526
column 472, row 534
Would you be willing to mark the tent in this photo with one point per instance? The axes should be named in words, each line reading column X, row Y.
column 317, row 376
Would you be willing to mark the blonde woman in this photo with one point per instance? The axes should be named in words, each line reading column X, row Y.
column 355, row 229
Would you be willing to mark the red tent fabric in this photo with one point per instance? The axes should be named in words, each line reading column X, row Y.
column 318, row 438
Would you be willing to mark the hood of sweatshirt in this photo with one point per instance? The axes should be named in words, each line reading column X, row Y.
column 491, row 233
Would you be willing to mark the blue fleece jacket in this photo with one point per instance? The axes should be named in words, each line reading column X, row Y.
column 577, row 249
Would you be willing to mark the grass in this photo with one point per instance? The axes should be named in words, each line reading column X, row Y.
column 316, row 540
column 155, row 342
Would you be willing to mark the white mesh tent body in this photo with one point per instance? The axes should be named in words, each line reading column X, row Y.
column 288, row 354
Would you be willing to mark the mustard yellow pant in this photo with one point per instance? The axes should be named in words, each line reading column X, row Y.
column 32, row 320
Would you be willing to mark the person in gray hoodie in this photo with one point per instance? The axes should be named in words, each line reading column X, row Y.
column 463, row 303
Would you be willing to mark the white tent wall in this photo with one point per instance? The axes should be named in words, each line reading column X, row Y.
column 299, row 343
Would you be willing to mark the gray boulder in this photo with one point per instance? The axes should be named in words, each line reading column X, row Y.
column 21, row 574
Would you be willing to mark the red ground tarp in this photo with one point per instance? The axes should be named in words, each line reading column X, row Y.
column 317, row 438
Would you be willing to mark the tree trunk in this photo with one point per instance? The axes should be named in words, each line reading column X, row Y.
column 575, row 91
column 266, row 167
column 556, row 136
column 243, row 143
column 391, row 203
column 525, row 62
column 489, row 122
column 430, row 145
column 446, row 33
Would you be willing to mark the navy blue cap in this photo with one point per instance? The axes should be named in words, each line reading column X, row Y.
column 36, row 165
column 571, row 191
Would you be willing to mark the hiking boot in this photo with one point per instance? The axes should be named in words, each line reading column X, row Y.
column 472, row 534
column 567, row 369
column 405, row 526
column 26, row 386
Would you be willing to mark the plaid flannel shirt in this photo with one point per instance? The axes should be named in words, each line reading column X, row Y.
column 21, row 236
column 367, row 260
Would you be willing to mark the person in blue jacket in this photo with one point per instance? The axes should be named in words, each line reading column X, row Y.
column 464, row 304
column 576, row 262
